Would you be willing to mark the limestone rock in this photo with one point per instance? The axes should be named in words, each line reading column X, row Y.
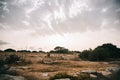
column 10, row 77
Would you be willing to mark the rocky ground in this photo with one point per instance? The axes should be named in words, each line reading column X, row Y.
column 42, row 68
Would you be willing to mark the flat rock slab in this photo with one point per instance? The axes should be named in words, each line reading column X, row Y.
column 63, row 79
column 9, row 77
column 106, row 73
column 89, row 71
column 45, row 74
column 113, row 69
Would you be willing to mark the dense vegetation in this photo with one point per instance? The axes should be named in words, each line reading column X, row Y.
column 59, row 49
column 9, row 50
column 11, row 59
column 62, row 75
column 100, row 53
column 66, row 76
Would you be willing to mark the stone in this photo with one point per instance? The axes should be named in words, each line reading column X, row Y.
column 63, row 79
column 23, row 67
column 10, row 77
column 45, row 74
column 89, row 71
column 93, row 76
column 113, row 69
column 106, row 73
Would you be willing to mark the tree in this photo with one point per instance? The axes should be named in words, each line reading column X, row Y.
column 85, row 54
column 10, row 50
column 27, row 51
column 98, row 55
column 48, row 54
column 103, row 52
column 110, row 49
column 59, row 49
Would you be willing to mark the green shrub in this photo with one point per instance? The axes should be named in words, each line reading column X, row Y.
column 59, row 49
column 48, row 54
column 12, row 59
column 62, row 75
column 12, row 72
column 84, row 76
column 2, row 62
column 81, row 76
column 115, row 75
column 101, row 53
column 3, row 66
column 9, row 50
column 85, row 54
column 30, row 77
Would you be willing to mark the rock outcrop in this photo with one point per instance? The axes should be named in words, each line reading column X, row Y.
column 10, row 77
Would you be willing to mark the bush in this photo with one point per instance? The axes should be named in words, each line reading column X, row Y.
column 12, row 72
column 12, row 59
column 10, row 50
column 115, row 75
column 100, row 53
column 110, row 49
column 62, row 75
column 52, row 51
column 85, row 54
column 2, row 62
column 26, row 51
column 30, row 77
column 3, row 66
column 48, row 54
column 59, row 49
column 84, row 76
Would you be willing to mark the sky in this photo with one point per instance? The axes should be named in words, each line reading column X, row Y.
column 45, row 24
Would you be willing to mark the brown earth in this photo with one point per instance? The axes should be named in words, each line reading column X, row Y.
column 41, row 67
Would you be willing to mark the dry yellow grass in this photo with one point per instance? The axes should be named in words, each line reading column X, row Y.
column 69, row 63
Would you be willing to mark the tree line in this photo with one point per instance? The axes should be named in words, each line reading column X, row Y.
column 100, row 53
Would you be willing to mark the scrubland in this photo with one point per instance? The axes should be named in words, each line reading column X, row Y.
column 38, row 66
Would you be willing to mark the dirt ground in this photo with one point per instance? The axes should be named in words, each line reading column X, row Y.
column 41, row 67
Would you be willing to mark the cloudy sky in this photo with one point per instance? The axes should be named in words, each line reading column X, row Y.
column 44, row 24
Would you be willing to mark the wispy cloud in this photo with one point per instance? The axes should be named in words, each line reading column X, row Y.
column 3, row 43
column 35, row 18
column 59, row 15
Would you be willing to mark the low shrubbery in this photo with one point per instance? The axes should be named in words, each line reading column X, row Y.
column 9, row 50
column 84, row 76
column 104, row 52
column 65, row 75
column 12, row 59
column 59, row 49
column 3, row 67
column 17, row 60
column 30, row 77
column 115, row 75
